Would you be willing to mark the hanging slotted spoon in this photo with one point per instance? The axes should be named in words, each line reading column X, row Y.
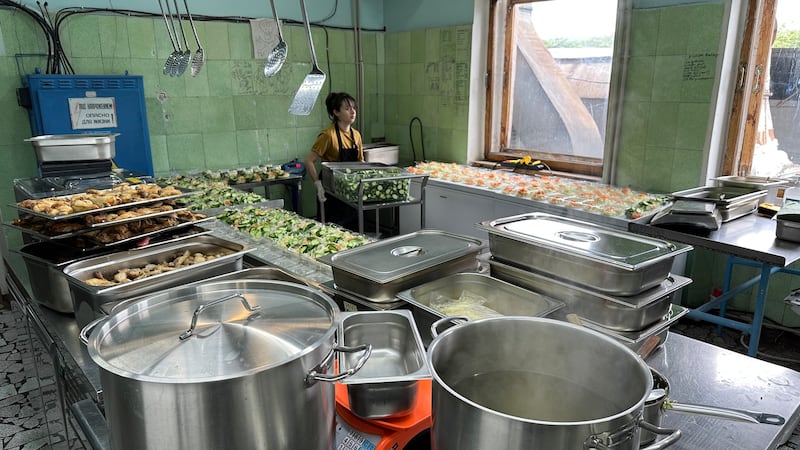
column 277, row 56
column 307, row 94
column 186, row 55
column 169, row 64
column 199, row 56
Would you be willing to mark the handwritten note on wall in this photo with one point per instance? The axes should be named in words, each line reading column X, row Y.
column 699, row 66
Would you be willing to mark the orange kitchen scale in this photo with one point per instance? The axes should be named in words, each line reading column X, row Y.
column 356, row 433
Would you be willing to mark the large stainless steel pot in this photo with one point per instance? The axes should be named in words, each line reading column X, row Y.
column 234, row 364
column 534, row 383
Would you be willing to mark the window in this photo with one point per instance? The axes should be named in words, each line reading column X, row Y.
column 766, row 140
column 550, row 81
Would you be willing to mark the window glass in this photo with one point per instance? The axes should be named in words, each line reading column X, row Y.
column 777, row 139
column 556, row 63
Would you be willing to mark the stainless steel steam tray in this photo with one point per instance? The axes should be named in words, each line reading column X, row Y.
column 637, row 337
column 183, row 192
column 86, row 243
column 94, row 226
column 731, row 201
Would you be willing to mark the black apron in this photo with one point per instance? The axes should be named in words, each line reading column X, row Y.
column 347, row 154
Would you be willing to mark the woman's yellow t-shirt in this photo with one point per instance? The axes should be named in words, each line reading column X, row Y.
column 327, row 146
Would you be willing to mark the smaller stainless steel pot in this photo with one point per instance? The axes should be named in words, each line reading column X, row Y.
column 659, row 400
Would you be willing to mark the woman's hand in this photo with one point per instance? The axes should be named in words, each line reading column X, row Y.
column 320, row 190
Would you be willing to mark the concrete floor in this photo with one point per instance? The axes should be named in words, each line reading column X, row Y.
column 23, row 427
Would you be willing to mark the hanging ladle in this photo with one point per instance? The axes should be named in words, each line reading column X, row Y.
column 277, row 56
column 199, row 56
column 171, row 62
column 186, row 55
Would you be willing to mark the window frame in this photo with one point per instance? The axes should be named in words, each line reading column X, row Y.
column 498, row 78
column 746, row 104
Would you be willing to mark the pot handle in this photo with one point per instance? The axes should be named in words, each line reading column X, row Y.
column 673, row 437
column 455, row 320
column 188, row 333
column 314, row 376
column 87, row 330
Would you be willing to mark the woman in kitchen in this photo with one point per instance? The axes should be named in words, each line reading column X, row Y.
column 338, row 142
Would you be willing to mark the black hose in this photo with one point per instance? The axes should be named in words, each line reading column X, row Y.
column 421, row 138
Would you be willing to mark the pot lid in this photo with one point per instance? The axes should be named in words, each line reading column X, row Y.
column 389, row 259
column 219, row 330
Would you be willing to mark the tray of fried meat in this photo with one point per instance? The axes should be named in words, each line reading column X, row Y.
column 96, row 201
column 45, row 229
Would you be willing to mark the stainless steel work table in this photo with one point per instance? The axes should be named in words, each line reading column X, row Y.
column 748, row 241
column 698, row 373
column 706, row 374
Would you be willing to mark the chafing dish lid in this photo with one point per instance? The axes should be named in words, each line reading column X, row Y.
column 619, row 248
column 393, row 258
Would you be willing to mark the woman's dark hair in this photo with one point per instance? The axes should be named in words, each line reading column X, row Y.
column 335, row 100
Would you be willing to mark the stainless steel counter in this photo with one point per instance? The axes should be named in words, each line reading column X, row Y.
column 751, row 237
column 706, row 374
column 698, row 373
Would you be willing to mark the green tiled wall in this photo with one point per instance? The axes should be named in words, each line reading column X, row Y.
column 228, row 116
column 665, row 121
column 427, row 76
column 669, row 87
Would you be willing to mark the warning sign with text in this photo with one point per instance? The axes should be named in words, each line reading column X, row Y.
column 95, row 112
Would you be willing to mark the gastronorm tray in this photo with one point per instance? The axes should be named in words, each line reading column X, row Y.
column 636, row 339
column 379, row 270
column 253, row 273
column 74, row 147
column 45, row 262
column 94, row 226
column 143, row 236
column 603, row 259
column 732, row 201
column 478, row 296
column 183, row 192
column 87, row 299
column 386, row 386
column 622, row 314
column 751, row 182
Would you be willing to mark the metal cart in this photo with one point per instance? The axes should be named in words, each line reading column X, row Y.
column 360, row 204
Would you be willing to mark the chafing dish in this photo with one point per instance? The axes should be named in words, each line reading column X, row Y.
column 387, row 384
column 603, row 259
column 87, row 300
column 379, row 270
column 622, row 314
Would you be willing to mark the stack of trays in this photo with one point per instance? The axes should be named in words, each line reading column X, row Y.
column 616, row 282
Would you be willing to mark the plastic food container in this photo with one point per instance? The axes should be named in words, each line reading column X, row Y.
column 382, row 153
column 367, row 182
column 74, row 147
